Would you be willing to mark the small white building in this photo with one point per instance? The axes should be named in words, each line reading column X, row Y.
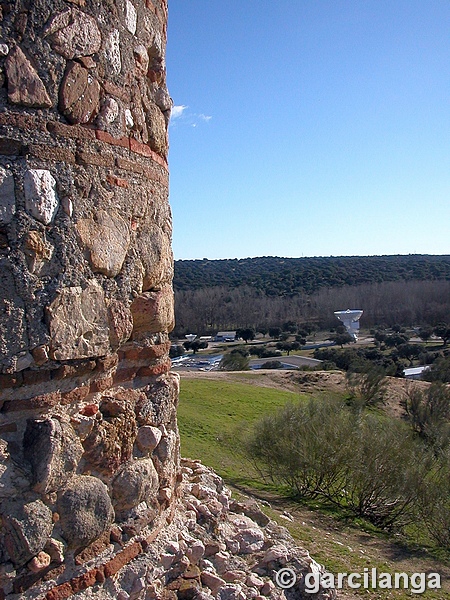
column 415, row 372
column 225, row 336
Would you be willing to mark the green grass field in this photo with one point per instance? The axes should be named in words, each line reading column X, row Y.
column 212, row 417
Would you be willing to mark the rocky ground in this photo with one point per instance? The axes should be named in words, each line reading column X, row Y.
column 215, row 548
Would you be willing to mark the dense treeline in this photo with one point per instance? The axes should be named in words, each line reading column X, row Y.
column 410, row 303
column 275, row 276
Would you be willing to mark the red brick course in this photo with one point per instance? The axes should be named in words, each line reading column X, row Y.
column 113, row 180
column 159, row 369
column 106, row 137
column 96, row 159
column 51, row 153
column 38, row 402
column 77, row 132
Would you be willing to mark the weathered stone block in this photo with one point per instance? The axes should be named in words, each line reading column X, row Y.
column 112, row 52
column 53, row 450
column 154, row 248
column 78, row 322
column 106, row 238
column 111, row 440
column 73, row 33
column 25, row 87
column 135, row 482
column 7, row 196
column 37, row 250
column 130, row 17
column 27, row 528
column 148, row 438
column 157, row 131
column 153, row 312
column 79, row 94
column 13, row 478
column 41, row 201
column 85, row 510
column 158, row 405
column 120, row 323
column 13, row 326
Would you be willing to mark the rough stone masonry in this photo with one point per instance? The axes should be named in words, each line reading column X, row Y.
column 93, row 501
column 89, row 459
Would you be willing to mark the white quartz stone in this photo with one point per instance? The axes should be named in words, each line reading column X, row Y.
column 112, row 52
column 130, row 17
column 41, row 200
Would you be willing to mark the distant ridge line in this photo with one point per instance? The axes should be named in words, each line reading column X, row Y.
column 289, row 276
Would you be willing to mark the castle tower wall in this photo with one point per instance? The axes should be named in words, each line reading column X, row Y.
column 89, row 459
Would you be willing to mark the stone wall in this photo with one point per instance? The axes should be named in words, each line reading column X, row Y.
column 88, row 435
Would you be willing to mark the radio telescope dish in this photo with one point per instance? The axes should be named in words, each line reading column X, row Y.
column 350, row 320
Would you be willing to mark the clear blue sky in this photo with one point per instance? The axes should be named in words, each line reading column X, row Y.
column 309, row 127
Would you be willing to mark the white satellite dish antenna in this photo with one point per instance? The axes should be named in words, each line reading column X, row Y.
column 350, row 320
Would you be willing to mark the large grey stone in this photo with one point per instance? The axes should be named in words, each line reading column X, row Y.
column 73, row 34
column 78, row 322
column 135, row 482
column 106, row 239
column 13, row 478
column 157, row 132
column 85, row 510
column 7, row 196
column 27, row 528
column 158, row 405
column 13, row 324
column 53, row 450
column 41, row 200
column 153, row 246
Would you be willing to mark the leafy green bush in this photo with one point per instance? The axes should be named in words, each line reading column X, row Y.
column 369, row 465
column 236, row 360
column 428, row 412
column 367, row 385
column 272, row 364
column 434, row 501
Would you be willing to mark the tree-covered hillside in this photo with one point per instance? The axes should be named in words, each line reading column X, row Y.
column 290, row 276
